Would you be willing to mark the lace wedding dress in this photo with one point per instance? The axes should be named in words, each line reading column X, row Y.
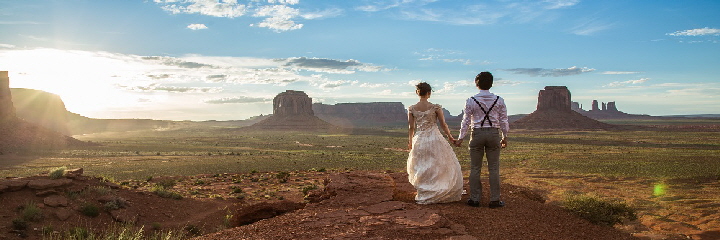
column 432, row 166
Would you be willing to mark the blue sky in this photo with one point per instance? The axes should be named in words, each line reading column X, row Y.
column 227, row 59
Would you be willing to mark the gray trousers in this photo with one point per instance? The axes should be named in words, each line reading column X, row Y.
column 485, row 142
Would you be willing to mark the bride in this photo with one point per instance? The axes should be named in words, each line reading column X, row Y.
column 433, row 169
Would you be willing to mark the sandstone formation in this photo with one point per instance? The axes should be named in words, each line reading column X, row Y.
column 292, row 103
column 48, row 110
column 606, row 111
column 554, row 112
column 19, row 135
column 362, row 114
column 7, row 111
column 42, row 108
column 554, row 98
column 292, row 110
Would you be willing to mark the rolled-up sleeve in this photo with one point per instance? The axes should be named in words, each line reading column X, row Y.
column 503, row 117
column 467, row 118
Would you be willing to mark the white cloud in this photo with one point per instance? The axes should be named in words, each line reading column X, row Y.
column 328, row 65
column 327, row 13
column 276, row 14
column 557, row 4
column 373, row 85
column 215, row 8
column 326, row 84
column 618, row 72
column 557, row 72
column 628, row 82
column 470, row 12
column 156, row 87
column 197, row 26
column 279, row 17
column 697, row 32
column 589, row 27
column 2, row 45
column 240, row 99
column 445, row 55
column 289, row 2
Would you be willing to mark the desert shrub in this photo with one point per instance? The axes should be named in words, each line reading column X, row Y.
column 193, row 230
column 57, row 173
column 115, row 204
column 318, row 169
column 282, row 176
column 78, row 233
column 162, row 192
column 19, row 224
column 599, row 211
column 156, row 225
column 90, row 210
column 47, row 230
column 308, row 188
column 31, row 212
column 101, row 190
column 166, row 183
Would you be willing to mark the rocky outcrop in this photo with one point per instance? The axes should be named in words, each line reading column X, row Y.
column 42, row 108
column 7, row 110
column 292, row 103
column 554, row 111
column 48, row 110
column 554, row 98
column 607, row 111
column 362, row 114
column 292, row 110
column 19, row 135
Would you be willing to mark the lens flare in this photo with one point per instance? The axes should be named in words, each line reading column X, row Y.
column 659, row 189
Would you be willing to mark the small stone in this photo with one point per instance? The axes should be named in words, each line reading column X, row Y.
column 56, row 201
column 46, row 193
column 73, row 173
column 41, row 184
column 15, row 185
column 124, row 216
column 63, row 214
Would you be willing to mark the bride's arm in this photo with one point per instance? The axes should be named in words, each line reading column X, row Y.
column 443, row 124
column 411, row 129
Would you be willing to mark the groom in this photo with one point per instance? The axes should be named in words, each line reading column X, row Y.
column 487, row 114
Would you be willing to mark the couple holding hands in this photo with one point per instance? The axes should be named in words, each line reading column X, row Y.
column 432, row 166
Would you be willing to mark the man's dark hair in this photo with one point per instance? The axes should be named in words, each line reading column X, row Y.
column 484, row 80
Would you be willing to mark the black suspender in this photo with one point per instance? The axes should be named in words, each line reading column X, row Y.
column 487, row 113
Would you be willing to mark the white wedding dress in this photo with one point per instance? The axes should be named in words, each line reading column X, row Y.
column 432, row 166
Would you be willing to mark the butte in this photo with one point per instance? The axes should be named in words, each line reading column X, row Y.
column 554, row 112
column 292, row 110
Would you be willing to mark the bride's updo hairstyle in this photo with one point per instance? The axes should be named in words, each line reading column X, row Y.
column 423, row 88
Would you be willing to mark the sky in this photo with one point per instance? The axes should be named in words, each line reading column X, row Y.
column 227, row 59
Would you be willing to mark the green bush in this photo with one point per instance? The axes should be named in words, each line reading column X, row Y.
column 166, row 183
column 282, row 176
column 599, row 211
column 162, row 192
column 101, row 190
column 57, row 173
column 19, row 224
column 30, row 212
column 90, row 210
column 308, row 188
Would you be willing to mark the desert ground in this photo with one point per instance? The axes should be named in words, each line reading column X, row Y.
column 220, row 183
